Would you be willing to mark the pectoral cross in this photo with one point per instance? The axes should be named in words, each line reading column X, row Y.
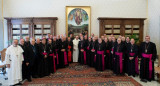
column 131, row 50
column 146, row 50
column 17, row 56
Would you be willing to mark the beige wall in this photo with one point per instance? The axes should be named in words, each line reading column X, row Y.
column 56, row 8
column 154, row 22
column 1, row 27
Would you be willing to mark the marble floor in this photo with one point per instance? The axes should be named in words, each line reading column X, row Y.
column 153, row 83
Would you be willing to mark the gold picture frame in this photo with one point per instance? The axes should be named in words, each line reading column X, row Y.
column 78, row 20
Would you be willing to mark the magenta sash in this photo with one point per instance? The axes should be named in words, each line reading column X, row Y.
column 54, row 65
column 150, row 63
column 120, row 60
column 102, row 53
column 44, row 53
column 112, row 50
column 136, row 63
column 108, row 51
column 65, row 58
column 57, row 56
column 84, row 53
column 88, row 48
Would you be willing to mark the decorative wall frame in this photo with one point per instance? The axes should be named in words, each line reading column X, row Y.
column 78, row 20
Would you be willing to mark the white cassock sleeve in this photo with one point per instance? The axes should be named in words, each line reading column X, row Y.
column 7, row 57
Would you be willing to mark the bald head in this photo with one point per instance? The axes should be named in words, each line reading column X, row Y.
column 85, row 37
column 132, row 41
column 43, row 41
column 102, row 37
column 89, row 39
column 22, row 41
column 15, row 42
column 110, row 38
column 100, row 40
column 69, row 39
column 119, row 40
column 32, row 41
column 96, row 37
column 127, row 39
column 49, row 41
column 147, row 39
column 51, row 37
column 27, row 38
column 77, row 37
column 123, row 38
column 105, row 39
column 54, row 38
column 113, row 39
column 81, row 37
column 38, row 41
column 58, row 37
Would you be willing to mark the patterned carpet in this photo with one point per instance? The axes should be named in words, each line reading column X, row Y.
column 82, row 75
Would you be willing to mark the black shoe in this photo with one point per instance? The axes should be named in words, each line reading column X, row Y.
column 35, row 76
column 129, row 74
column 149, row 80
column 29, row 80
column 144, row 80
column 134, row 76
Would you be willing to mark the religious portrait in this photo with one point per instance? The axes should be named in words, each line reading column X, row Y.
column 78, row 20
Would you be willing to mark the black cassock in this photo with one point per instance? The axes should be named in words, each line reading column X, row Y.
column 118, row 57
column 27, row 43
column 63, row 61
column 72, row 38
column 132, row 51
column 148, row 54
column 51, row 58
column 26, row 73
column 82, row 55
column 43, row 64
column 38, row 62
column 93, row 53
column 56, row 51
column 112, row 55
column 33, row 63
column 108, row 60
column 100, row 59
column 88, row 53
column 125, row 61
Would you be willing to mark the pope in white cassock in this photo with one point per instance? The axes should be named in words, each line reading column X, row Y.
column 13, row 60
column 75, row 49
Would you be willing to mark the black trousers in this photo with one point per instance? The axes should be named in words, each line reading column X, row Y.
column 26, row 71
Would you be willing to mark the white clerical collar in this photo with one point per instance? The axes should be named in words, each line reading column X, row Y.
column 15, row 46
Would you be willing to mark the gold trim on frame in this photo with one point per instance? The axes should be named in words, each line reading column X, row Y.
column 3, row 23
column 86, row 8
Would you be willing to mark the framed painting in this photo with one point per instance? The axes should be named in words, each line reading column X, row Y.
column 78, row 19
